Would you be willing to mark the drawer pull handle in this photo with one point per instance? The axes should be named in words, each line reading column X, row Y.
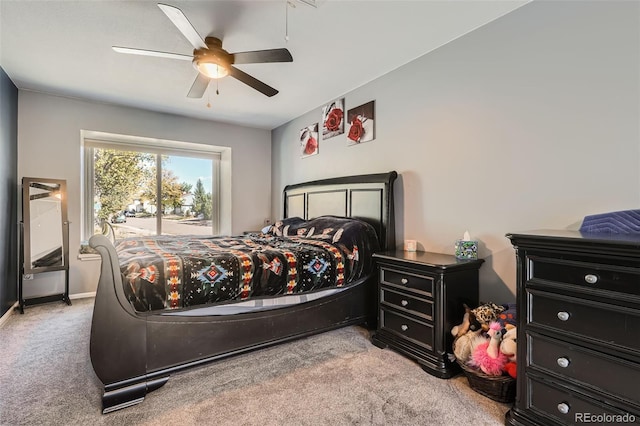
column 404, row 303
column 563, row 362
column 563, row 316
column 563, row 408
column 404, row 281
column 404, row 327
column 591, row 279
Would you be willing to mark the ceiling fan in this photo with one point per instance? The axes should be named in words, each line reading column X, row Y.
column 210, row 59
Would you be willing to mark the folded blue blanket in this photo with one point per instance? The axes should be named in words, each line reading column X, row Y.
column 620, row 222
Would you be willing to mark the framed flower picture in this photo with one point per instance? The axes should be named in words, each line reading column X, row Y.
column 361, row 123
column 309, row 140
column 333, row 119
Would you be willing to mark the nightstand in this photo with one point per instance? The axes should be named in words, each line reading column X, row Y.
column 420, row 298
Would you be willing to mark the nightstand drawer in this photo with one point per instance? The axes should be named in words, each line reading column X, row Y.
column 587, row 275
column 599, row 371
column 400, row 300
column 405, row 279
column 410, row 329
column 565, row 407
column 608, row 324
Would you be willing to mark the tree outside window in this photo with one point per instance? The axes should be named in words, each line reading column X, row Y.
column 126, row 193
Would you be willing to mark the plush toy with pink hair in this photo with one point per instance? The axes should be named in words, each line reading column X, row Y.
column 486, row 354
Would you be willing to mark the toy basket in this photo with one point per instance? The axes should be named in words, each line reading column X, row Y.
column 498, row 388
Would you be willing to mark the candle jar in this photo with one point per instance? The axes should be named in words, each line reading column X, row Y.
column 410, row 245
column 466, row 249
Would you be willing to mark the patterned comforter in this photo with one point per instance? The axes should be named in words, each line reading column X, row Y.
column 294, row 256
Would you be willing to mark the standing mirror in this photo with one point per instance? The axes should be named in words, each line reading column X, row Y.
column 45, row 233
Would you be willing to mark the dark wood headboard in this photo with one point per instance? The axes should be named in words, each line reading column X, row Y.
column 365, row 197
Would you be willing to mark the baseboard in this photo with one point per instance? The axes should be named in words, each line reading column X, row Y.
column 7, row 314
column 82, row 295
column 11, row 310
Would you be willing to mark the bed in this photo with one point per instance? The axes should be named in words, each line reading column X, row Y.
column 140, row 336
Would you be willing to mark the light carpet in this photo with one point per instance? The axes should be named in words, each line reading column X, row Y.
column 336, row 378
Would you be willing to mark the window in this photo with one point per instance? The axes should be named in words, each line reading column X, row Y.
column 150, row 187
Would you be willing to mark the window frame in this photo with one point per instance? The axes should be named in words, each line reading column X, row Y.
column 159, row 147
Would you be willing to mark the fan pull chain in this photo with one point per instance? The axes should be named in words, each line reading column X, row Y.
column 208, row 100
column 217, row 83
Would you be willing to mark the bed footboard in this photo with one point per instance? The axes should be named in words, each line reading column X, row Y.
column 118, row 345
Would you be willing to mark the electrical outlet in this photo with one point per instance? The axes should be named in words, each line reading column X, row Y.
column 27, row 276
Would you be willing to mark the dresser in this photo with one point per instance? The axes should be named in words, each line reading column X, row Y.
column 578, row 298
column 420, row 298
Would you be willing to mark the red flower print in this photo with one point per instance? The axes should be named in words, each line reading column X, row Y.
column 356, row 130
column 333, row 120
column 311, row 146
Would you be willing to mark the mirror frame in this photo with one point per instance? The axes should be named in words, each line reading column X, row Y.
column 26, row 223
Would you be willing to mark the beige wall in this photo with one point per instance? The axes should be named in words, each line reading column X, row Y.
column 49, row 147
column 529, row 122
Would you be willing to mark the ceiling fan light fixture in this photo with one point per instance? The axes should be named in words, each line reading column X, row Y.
column 211, row 69
column 210, row 59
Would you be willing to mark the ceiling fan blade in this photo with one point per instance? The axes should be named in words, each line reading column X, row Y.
column 199, row 86
column 180, row 20
column 261, row 56
column 251, row 81
column 155, row 53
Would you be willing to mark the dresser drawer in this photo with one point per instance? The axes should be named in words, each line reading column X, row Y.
column 594, row 321
column 404, row 301
column 586, row 275
column 408, row 280
column 599, row 371
column 415, row 331
column 568, row 408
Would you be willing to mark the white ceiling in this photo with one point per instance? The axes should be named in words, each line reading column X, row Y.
column 64, row 47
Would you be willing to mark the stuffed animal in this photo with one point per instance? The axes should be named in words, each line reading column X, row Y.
column 487, row 356
column 463, row 345
column 508, row 347
column 486, row 313
column 460, row 329
column 508, row 317
column 508, row 344
column 511, row 369
column 474, row 324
